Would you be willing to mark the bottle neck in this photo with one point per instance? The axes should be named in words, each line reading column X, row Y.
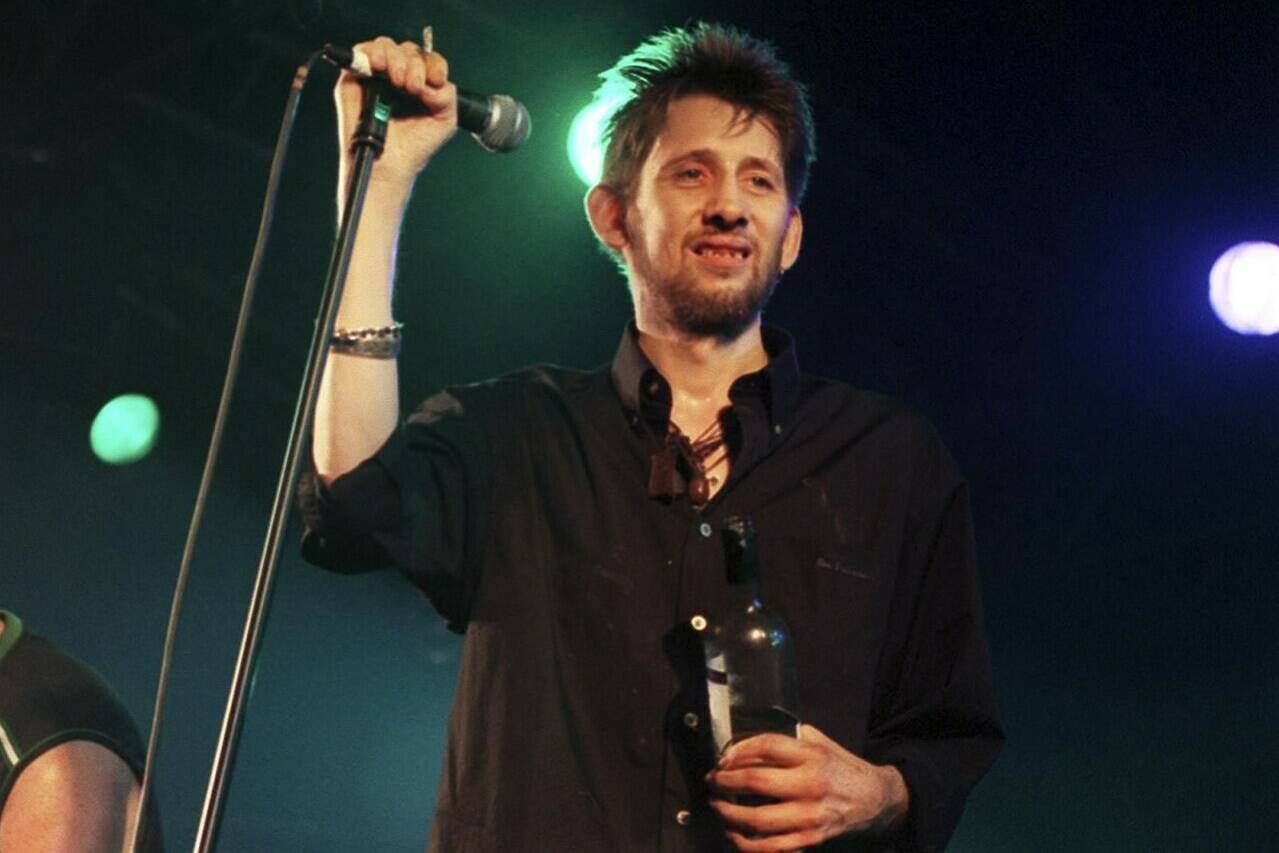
column 744, row 592
column 742, row 568
column 741, row 559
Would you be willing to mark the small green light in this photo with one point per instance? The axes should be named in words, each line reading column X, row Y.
column 125, row 429
column 585, row 150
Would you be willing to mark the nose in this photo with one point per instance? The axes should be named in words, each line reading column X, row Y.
column 726, row 207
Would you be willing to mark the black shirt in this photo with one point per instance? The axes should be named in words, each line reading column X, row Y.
column 520, row 506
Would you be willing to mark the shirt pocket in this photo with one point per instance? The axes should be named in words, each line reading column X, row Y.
column 835, row 599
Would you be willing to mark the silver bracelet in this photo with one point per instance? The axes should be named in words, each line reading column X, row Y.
column 368, row 342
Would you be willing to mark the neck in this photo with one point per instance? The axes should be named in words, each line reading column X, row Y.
column 700, row 370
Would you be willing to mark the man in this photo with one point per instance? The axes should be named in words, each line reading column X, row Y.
column 70, row 756
column 568, row 522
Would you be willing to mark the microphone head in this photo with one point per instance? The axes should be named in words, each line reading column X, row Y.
column 508, row 125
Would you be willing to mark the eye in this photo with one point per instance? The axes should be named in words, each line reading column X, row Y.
column 762, row 182
column 689, row 173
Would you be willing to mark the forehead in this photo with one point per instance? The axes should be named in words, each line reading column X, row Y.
column 707, row 123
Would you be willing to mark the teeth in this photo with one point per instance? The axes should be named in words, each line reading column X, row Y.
column 723, row 253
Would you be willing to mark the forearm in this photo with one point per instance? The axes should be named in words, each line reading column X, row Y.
column 358, row 405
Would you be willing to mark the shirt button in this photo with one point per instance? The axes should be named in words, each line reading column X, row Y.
column 683, row 817
column 691, row 720
column 698, row 622
column 705, row 529
column 777, row 429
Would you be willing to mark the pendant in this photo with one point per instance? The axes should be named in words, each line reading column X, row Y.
column 699, row 489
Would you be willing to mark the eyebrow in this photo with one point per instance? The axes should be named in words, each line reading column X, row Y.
column 710, row 154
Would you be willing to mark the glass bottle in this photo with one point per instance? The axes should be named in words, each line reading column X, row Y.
column 750, row 668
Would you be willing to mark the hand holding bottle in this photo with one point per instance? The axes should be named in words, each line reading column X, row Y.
column 819, row 791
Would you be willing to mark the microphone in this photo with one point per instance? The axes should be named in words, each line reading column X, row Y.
column 497, row 122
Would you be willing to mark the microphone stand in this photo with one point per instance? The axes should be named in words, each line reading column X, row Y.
column 370, row 138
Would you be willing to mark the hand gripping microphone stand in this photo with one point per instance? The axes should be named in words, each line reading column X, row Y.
column 369, row 140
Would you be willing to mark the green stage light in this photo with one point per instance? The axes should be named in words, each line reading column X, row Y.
column 584, row 149
column 125, row 429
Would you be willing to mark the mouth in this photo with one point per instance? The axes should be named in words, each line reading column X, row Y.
column 722, row 252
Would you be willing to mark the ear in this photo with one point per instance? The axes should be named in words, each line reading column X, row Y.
column 607, row 213
column 791, row 240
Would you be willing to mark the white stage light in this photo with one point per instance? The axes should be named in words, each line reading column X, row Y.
column 1244, row 288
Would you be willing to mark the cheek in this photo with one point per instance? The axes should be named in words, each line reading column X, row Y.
column 661, row 226
column 663, row 236
column 777, row 227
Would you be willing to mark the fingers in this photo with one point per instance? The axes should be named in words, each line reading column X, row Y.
column 814, row 789
column 424, row 75
column 788, row 843
column 437, row 69
column 436, row 98
column 773, row 782
column 390, row 58
column 771, row 749
column 782, row 826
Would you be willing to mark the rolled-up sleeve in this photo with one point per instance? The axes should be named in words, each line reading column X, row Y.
column 419, row 504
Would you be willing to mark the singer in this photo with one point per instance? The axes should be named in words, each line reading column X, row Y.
column 568, row 522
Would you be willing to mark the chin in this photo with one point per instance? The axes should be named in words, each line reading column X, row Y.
column 722, row 313
column 705, row 302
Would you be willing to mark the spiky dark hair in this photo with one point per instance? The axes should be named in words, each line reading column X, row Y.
column 704, row 59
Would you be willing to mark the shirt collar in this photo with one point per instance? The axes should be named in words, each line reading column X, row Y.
column 643, row 390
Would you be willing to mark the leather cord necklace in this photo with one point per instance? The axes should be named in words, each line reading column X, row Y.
column 684, row 465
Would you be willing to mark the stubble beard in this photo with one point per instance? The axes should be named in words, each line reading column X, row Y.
column 698, row 310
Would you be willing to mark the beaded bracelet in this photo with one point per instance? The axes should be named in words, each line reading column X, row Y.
column 369, row 342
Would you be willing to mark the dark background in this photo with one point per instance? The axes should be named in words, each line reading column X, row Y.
column 1010, row 227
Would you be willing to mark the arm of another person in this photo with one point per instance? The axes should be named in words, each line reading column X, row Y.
column 79, row 797
column 358, row 406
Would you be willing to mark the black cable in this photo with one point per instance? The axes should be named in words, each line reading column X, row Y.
column 366, row 145
column 215, row 442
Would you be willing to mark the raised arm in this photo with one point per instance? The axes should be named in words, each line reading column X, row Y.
column 358, row 405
